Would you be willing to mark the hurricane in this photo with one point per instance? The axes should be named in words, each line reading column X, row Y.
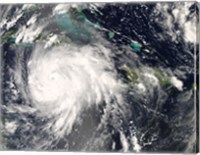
column 71, row 79
column 100, row 77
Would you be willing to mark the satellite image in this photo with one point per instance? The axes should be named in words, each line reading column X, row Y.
column 100, row 77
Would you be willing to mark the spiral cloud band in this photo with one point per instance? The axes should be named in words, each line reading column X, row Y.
column 66, row 80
